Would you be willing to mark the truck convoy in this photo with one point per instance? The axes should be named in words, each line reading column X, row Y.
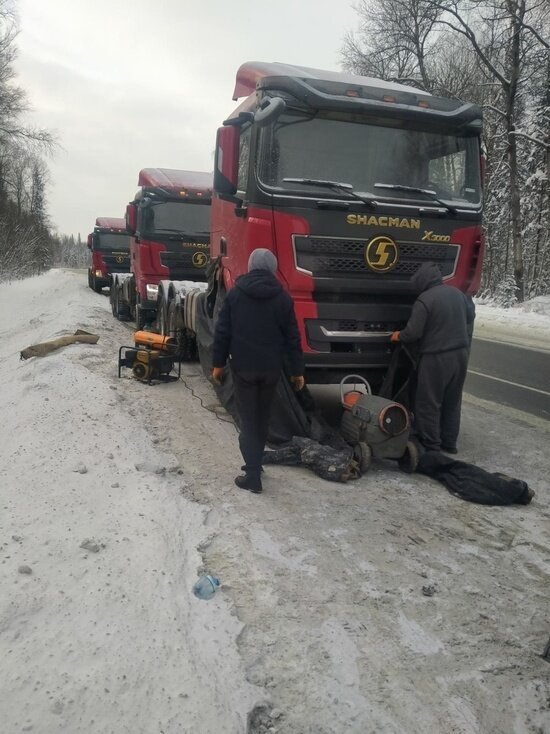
column 353, row 183
column 168, row 221
column 109, row 244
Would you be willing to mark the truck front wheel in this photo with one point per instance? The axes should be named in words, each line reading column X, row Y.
column 120, row 309
column 142, row 317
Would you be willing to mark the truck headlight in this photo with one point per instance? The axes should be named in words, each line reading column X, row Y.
column 98, row 274
column 151, row 291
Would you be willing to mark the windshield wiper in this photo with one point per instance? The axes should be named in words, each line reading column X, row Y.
column 416, row 190
column 347, row 188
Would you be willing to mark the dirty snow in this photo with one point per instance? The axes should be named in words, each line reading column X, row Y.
column 115, row 495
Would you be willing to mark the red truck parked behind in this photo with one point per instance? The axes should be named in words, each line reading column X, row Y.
column 353, row 183
column 168, row 221
column 109, row 244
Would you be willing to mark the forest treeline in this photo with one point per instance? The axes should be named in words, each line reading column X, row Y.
column 492, row 52
column 495, row 53
column 28, row 244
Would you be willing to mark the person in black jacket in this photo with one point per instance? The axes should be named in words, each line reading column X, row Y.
column 440, row 329
column 256, row 327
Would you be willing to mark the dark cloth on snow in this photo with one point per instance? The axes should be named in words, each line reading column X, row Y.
column 471, row 483
column 337, row 464
column 257, row 326
column 440, row 316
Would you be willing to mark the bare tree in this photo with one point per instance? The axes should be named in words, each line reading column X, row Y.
column 13, row 100
column 505, row 62
column 394, row 40
column 495, row 53
column 25, row 241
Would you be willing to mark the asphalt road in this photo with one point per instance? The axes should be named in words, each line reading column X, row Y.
column 510, row 375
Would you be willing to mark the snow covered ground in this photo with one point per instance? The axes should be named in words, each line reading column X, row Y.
column 323, row 624
column 526, row 325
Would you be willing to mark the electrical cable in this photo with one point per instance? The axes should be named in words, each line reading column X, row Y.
column 201, row 401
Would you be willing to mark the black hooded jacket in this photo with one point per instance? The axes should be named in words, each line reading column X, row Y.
column 257, row 326
column 441, row 316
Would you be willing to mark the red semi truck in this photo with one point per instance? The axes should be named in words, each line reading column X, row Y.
column 169, row 222
column 353, row 183
column 109, row 245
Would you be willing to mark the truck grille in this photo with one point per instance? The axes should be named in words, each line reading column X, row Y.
column 324, row 257
column 183, row 265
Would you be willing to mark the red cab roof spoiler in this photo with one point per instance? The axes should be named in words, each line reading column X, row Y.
column 252, row 71
column 170, row 178
column 110, row 223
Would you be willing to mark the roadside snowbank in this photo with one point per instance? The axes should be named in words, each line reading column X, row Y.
column 527, row 324
column 109, row 638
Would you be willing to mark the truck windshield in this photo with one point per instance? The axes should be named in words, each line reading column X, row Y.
column 177, row 217
column 112, row 241
column 379, row 159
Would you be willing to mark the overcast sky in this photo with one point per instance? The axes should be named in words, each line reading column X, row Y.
column 130, row 84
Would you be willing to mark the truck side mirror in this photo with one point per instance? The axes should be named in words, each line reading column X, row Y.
column 131, row 218
column 270, row 109
column 89, row 241
column 226, row 163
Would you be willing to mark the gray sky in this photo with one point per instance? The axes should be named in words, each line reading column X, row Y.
column 129, row 84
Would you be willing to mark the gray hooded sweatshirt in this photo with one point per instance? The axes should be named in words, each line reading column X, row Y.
column 441, row 315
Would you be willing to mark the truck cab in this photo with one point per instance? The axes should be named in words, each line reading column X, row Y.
column 353, row 183
column 169, row 220
column 109, row 247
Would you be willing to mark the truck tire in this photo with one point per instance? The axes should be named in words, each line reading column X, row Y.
column 186, row 345
column 112, row 297
column 120, row 310
column 90, row 284
column 162, row 317
column 142, row 317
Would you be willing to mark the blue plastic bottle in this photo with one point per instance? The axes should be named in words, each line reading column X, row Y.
column 205, row 587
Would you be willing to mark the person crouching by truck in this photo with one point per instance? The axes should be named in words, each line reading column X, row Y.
column 256, row 327
column 440, row 331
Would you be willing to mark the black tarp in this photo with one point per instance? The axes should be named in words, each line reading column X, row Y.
column 472, row 483
column 292, row 414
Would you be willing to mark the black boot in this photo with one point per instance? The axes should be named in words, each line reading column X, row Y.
column 249, row 482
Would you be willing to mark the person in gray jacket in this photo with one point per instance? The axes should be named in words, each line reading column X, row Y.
column 440, row 329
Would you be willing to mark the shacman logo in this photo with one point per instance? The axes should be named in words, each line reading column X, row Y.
column 372, row 221
column 119, row 259
column 381, row 253
column 199, row 259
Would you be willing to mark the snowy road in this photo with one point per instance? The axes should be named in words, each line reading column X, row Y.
column 511, row 375
column 381, row 606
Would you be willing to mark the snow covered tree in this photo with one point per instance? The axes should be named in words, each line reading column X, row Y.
column 495, row 53
column 25, row 243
